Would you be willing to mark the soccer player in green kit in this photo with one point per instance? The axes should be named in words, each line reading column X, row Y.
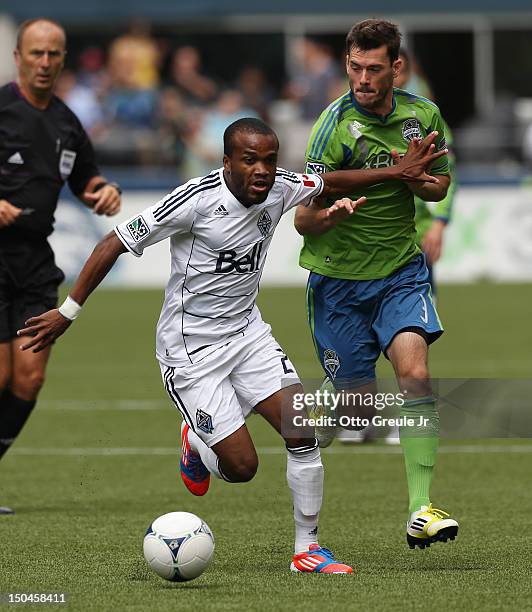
column 368, row 290
column 430, row 221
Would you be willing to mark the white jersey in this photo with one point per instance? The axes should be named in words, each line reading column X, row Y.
column 218, row 248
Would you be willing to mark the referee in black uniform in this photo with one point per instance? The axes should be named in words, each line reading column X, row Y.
column 42, row 145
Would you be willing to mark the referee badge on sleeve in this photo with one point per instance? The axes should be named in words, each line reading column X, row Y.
column 138, row 228
column 66, row 163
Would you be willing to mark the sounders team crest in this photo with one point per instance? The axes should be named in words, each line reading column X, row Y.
column 331, row 362
column 411, row 129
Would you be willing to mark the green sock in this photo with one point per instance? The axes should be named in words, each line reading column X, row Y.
column 420, row 444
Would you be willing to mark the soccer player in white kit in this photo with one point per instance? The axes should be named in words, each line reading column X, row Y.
column 218, row 358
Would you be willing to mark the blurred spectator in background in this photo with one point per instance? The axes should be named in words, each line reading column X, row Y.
column 139, row 52
column 91, row 70
column 256, row 91
column 411, row 76
column 172, row 127
column 527, row 147
column 131, row 98
column 319, row 80
column 195, row 87
column 205, row 142
column 133, row 79
column 81, row 100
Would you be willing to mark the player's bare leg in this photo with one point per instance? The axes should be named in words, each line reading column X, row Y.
column 233, row 459
column 408, row 353
column 5, row 375
column 29, row 371
column 305, row 479
column 237, row 457
column 21, row 378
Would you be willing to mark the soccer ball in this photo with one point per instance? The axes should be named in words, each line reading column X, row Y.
column 178, row 546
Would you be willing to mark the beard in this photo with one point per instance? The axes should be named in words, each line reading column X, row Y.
column 376, row 97
column 374, row 101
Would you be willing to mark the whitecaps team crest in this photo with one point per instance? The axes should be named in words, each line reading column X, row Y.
column 204, row 421
column 264, row 223
column 411, row 129
column 331, row 362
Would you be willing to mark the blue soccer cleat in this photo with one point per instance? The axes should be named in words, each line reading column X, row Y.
column 193, row 471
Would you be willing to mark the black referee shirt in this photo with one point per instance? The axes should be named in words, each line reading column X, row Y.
column 39, row 151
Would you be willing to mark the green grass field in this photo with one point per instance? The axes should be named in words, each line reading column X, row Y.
column 96, row 464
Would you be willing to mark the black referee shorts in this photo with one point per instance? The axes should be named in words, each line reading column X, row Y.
column 22, row 299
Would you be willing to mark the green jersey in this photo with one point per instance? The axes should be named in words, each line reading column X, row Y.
column 425, row 215
column 381, row 236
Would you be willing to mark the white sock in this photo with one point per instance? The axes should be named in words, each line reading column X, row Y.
column 208, row 456
column 304, row 472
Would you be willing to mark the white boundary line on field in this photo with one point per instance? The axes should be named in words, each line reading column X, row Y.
column 265, row 450
column 104, row 404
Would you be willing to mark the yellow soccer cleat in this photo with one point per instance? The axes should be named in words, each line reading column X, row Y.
column 428, row 525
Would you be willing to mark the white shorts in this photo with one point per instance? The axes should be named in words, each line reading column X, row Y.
column 215, row 395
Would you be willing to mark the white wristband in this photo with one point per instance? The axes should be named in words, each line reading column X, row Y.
column 70, row 309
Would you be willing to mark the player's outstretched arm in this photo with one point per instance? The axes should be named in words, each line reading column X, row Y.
column 314, row 219
column 47, row 327
column 432, row 188
column 411, row 168
column 430, row 191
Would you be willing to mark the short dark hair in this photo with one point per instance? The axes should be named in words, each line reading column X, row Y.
column 29, row 22
column 372, row 34
column 250, row 125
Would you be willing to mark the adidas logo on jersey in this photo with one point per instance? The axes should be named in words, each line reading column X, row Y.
column 221, row 211
column 354, row 128
column 16, row 158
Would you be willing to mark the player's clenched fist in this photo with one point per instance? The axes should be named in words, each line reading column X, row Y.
column 105, row 201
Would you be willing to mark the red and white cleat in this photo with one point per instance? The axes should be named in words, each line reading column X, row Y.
column 193, row 471
column 318, row 561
